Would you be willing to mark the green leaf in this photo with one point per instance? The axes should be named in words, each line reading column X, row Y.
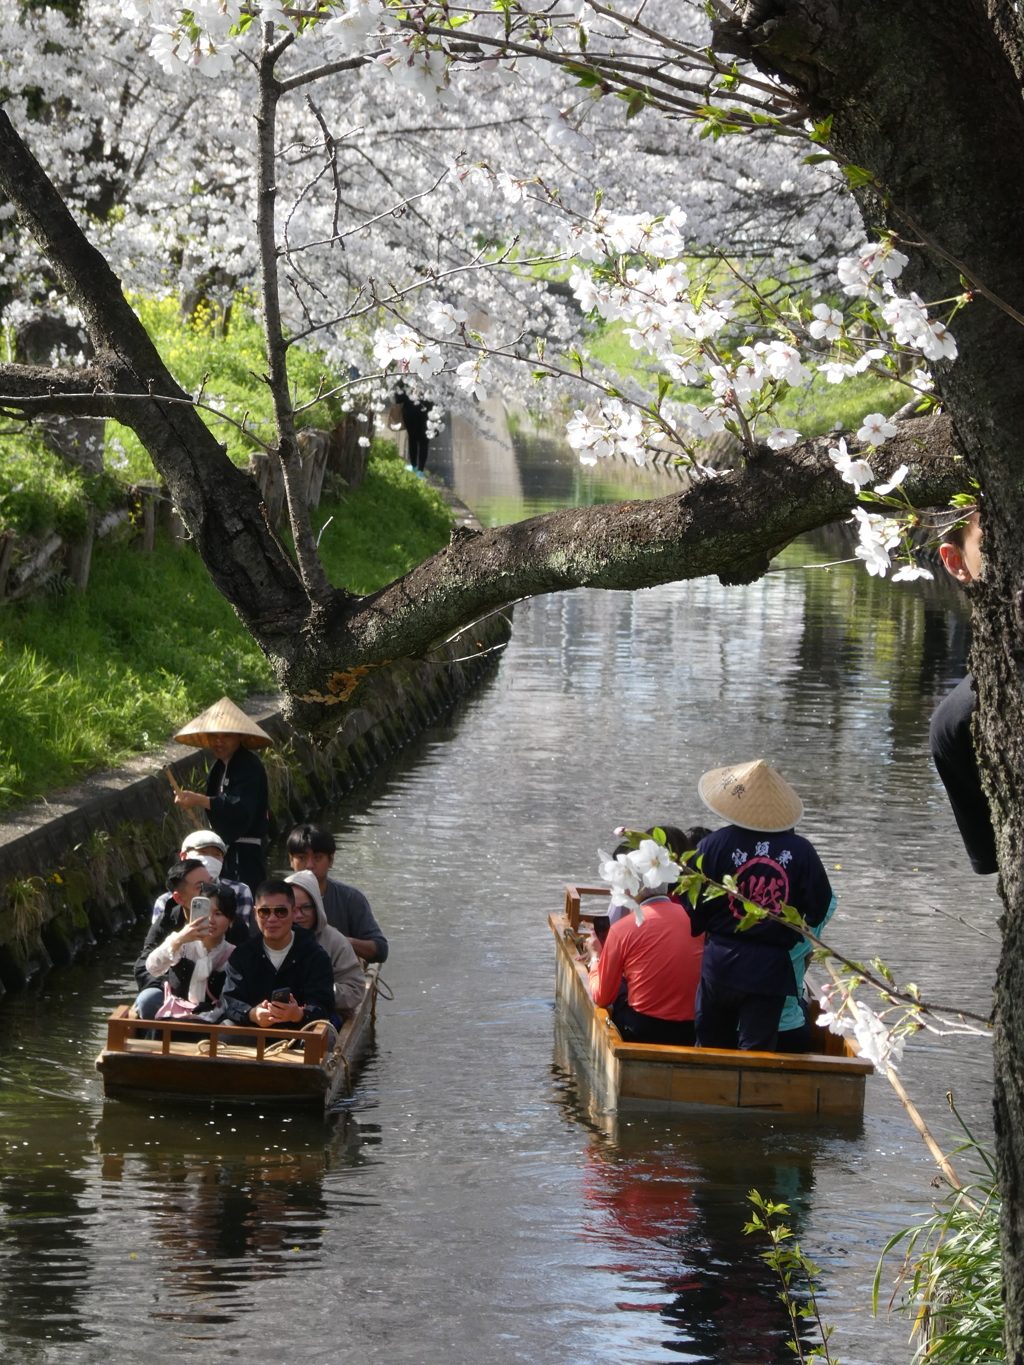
column 658, row 835
column 857, row 175
column 816, row 158
column 822, row 130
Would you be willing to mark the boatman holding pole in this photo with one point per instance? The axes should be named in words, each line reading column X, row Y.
column 236, row 788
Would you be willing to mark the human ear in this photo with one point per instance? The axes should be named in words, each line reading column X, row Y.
column 953, row 561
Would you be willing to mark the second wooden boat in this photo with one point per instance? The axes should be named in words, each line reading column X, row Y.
column 236, row 1063
column 651, row 1075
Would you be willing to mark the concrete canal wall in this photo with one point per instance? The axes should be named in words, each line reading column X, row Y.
column 86, row 863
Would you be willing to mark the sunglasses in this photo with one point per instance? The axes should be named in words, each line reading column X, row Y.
column 278, row 911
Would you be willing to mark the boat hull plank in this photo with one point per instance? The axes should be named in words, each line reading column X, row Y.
column 308, row 1075
column 646, row 1074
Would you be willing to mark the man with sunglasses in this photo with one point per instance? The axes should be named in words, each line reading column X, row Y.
column 281, row 958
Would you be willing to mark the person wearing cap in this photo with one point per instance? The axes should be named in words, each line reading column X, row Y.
column 747, row 974
column 210, row 849
column 349, row 978
column 236, row 787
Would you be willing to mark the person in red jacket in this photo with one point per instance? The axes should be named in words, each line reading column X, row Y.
column 660, row 960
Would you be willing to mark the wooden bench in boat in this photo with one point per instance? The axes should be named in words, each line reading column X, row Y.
column 235, row 1062
column 653, row 1075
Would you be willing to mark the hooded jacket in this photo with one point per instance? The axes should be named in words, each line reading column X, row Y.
column 349, row 979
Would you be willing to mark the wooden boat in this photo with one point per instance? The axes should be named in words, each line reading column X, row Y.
column 235, row 1063
column 651, row 1075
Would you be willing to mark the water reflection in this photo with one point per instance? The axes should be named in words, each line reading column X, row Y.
column 467, row 1203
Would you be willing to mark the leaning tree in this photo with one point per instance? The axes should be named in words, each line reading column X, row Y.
column 920, row 108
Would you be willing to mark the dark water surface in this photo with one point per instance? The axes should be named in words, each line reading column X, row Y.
column 464, row 1207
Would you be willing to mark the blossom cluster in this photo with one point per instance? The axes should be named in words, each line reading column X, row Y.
column 648, row 865
column 842, row 1014
column 633, row 274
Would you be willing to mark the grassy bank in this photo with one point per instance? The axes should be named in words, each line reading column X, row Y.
column 88, row 679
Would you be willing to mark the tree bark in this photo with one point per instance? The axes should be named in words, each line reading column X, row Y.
column 927, row 97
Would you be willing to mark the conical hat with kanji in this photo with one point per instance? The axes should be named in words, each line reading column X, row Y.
column 224, row 718
column 751, row 795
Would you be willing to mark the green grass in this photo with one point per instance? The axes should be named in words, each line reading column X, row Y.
column 88, row 679
column 228, row 370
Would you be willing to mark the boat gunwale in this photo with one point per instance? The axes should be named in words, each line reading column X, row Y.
column 696, row 1057
column 332, row 1067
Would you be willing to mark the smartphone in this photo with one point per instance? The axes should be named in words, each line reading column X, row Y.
column 281, row 997
column 200, row 908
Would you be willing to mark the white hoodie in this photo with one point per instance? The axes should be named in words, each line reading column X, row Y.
column 349, row 977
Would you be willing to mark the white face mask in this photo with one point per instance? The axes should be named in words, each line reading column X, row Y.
column 212, row 865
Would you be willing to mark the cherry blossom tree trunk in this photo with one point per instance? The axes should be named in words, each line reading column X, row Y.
column 927, row 98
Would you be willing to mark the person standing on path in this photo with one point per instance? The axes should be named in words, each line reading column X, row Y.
column 236, row 787
column 415, row 417
column 950, row 738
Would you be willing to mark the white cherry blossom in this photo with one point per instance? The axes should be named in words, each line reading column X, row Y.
column 828, row 323
column 854, row 470
column 876, row 429
column 894, row 482
column 652, row 862
column 781, row 437
column 445, row 317
column 909, row 572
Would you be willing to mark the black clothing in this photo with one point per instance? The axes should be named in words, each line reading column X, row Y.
column 306, row 972
column 731, row 1018
column 172, row 919
column 414, row 419
column 348, row 910
column 800, row 1039
column 645, row 1028
column 954, row 758
column 238, row 810
column 770, row 869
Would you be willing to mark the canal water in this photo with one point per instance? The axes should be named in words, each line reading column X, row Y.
column 466, row 1204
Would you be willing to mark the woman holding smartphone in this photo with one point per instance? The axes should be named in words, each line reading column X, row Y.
column 194, row 957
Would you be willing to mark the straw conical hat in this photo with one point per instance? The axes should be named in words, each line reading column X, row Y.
column 224, row 718
column 751, row 795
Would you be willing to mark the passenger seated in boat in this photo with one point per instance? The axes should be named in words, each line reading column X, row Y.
column 747, row 975
column 660, row 961
column 349, row 978
column 282, row 958
column 210, row 849
column 678, row 841
column 192, row 960
column 184, row 880
column 311, row 848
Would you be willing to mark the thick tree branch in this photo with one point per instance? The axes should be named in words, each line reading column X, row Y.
column 730, row 526
column 32, row 389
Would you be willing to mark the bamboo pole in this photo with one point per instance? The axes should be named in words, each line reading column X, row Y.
column 191, row 809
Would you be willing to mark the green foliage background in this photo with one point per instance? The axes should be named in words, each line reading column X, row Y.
column 87, row 679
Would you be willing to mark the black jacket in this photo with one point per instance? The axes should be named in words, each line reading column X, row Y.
column 306, row 972
column 240, row 811
column 180, row 974
column 953, row 753
column 770, row 869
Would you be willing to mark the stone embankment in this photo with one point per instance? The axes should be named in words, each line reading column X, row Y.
column 86, row 863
